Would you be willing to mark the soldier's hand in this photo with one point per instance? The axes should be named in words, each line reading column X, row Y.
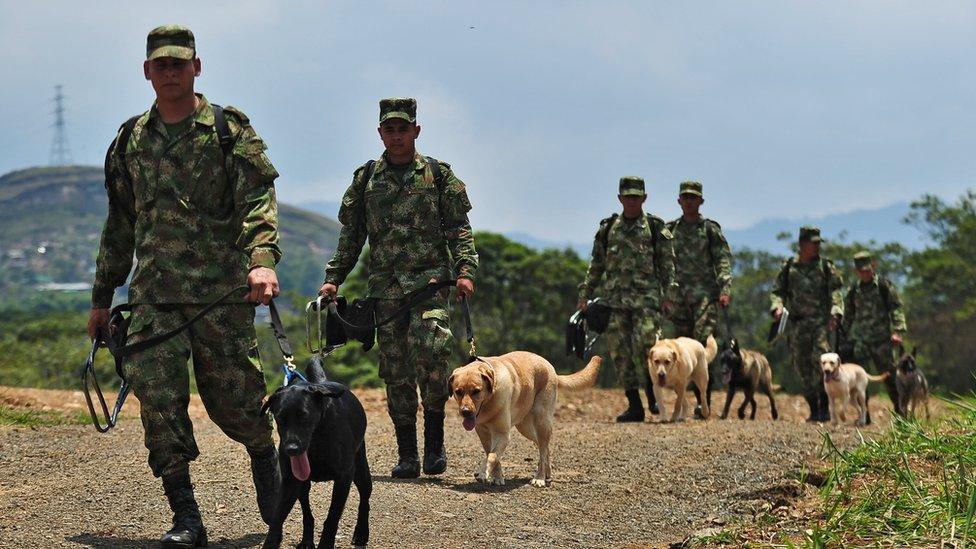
column 896, row 339
column 723, row 300
column 329, row 290
column 582, row 305
column 834, row 323
column 777, row 313
column 667, row 307
column 97, row 319
column 264, row 285
column 465, row 287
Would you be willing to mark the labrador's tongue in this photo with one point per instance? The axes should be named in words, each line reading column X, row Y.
column 300, row 467
column 468, row 423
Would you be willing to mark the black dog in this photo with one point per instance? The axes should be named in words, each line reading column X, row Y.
column 321, row 425
column 749, row 371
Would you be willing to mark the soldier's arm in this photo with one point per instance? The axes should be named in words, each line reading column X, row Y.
column 836, row 285
column 722, row 254
column 664, row 260
column 777, row 296
column 598, row 262
column 898, row 323
column 454, row 222
column 352, row 235
column 849, row 307
column 118, row 237
column 254, row 194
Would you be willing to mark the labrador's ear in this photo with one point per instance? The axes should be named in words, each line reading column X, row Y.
column 488, row 375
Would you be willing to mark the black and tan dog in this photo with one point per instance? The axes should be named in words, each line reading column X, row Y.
column 913, row 388
column 321, row 425
column 748, row 371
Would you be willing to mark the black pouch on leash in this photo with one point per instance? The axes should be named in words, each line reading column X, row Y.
column 362, row 312
column 597, row 316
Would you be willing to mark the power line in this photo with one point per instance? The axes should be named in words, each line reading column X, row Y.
column 60, row 152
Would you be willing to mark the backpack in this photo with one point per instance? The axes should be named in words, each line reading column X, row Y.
column 435, row 168
column 651, row 221
column 220, row 125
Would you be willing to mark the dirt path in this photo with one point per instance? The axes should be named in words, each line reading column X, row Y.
column 630, row 485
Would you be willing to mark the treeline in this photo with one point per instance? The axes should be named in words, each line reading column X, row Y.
column 524, row 298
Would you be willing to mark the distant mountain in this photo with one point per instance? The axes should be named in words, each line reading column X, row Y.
column 881, row 225
column 52, row 221
column 323, row 207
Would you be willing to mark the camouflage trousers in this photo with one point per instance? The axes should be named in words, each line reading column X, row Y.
column 228, row 374
column 695, row 317
column 415, row 350
column 882, row 355
column 630, row 334
column 807, row 341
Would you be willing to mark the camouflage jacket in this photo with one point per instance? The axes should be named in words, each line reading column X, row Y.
column 418, row 229
column 632, row 264
column 703, row 260
column 810, row 291
column 873, row 313
column 196, row 221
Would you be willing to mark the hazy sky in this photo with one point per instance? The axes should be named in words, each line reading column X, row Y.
column 781, row 109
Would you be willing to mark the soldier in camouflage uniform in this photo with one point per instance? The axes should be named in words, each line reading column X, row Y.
column 632, row 270
column 200, row 224
column 809, row 286
column 418, row 230
column 703, row 270
column 874, row 321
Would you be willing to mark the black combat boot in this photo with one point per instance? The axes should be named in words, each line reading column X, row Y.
column 823, row 407
column 892, row 387
column 187, row 530
column 814, row 405
column 634, row 411
column 435, row 458
column 408, row 465
column 267, row 480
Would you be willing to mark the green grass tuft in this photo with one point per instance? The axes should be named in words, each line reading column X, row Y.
column 914, row 486
column 37, row 418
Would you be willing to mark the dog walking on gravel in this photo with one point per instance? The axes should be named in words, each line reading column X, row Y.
column 673, row 363
column 843, row 383
column 519, row 390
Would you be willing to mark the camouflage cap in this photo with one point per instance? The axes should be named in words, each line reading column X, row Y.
column 690, row 187
column 809, row 233
column 863, row 260
column 631, row 185
column 398, row 107
column 171, row 41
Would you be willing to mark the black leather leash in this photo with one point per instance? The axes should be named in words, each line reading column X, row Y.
column 413, row 299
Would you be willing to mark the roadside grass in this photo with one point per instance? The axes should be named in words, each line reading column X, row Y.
column 40, row 418
column 913, row 486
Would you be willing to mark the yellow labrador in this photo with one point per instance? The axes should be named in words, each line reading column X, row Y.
column 843, row 383
column 517, row 389
column 673, row 363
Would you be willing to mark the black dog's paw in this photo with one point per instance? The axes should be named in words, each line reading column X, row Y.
column 304, row 544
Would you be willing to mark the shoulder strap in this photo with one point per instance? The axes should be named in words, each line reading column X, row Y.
column 786, row 279
column 367, row 175
column 120, row 145
column 606, row 233
column 709, row 235
column 223, row 130
column 435, row 168
column 652, row 223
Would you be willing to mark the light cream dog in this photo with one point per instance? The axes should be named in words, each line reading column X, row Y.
column 673, row 363
column 517, row 389
column 843, row 383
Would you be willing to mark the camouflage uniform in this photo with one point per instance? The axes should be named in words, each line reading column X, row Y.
column 872, row 315
column 632, row 271
column 418, row 230
column 703, row 270
column 811, row 292
column 197, row 223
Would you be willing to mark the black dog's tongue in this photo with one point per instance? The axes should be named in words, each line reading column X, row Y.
column 300, row 467
column 727, row 376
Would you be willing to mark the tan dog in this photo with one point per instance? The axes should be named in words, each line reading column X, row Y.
column 518, row 390
column 843, row 383
column 673, row 363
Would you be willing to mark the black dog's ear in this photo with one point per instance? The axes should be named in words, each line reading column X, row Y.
column 271, row 401
column 314, row 371
column 325, row 390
